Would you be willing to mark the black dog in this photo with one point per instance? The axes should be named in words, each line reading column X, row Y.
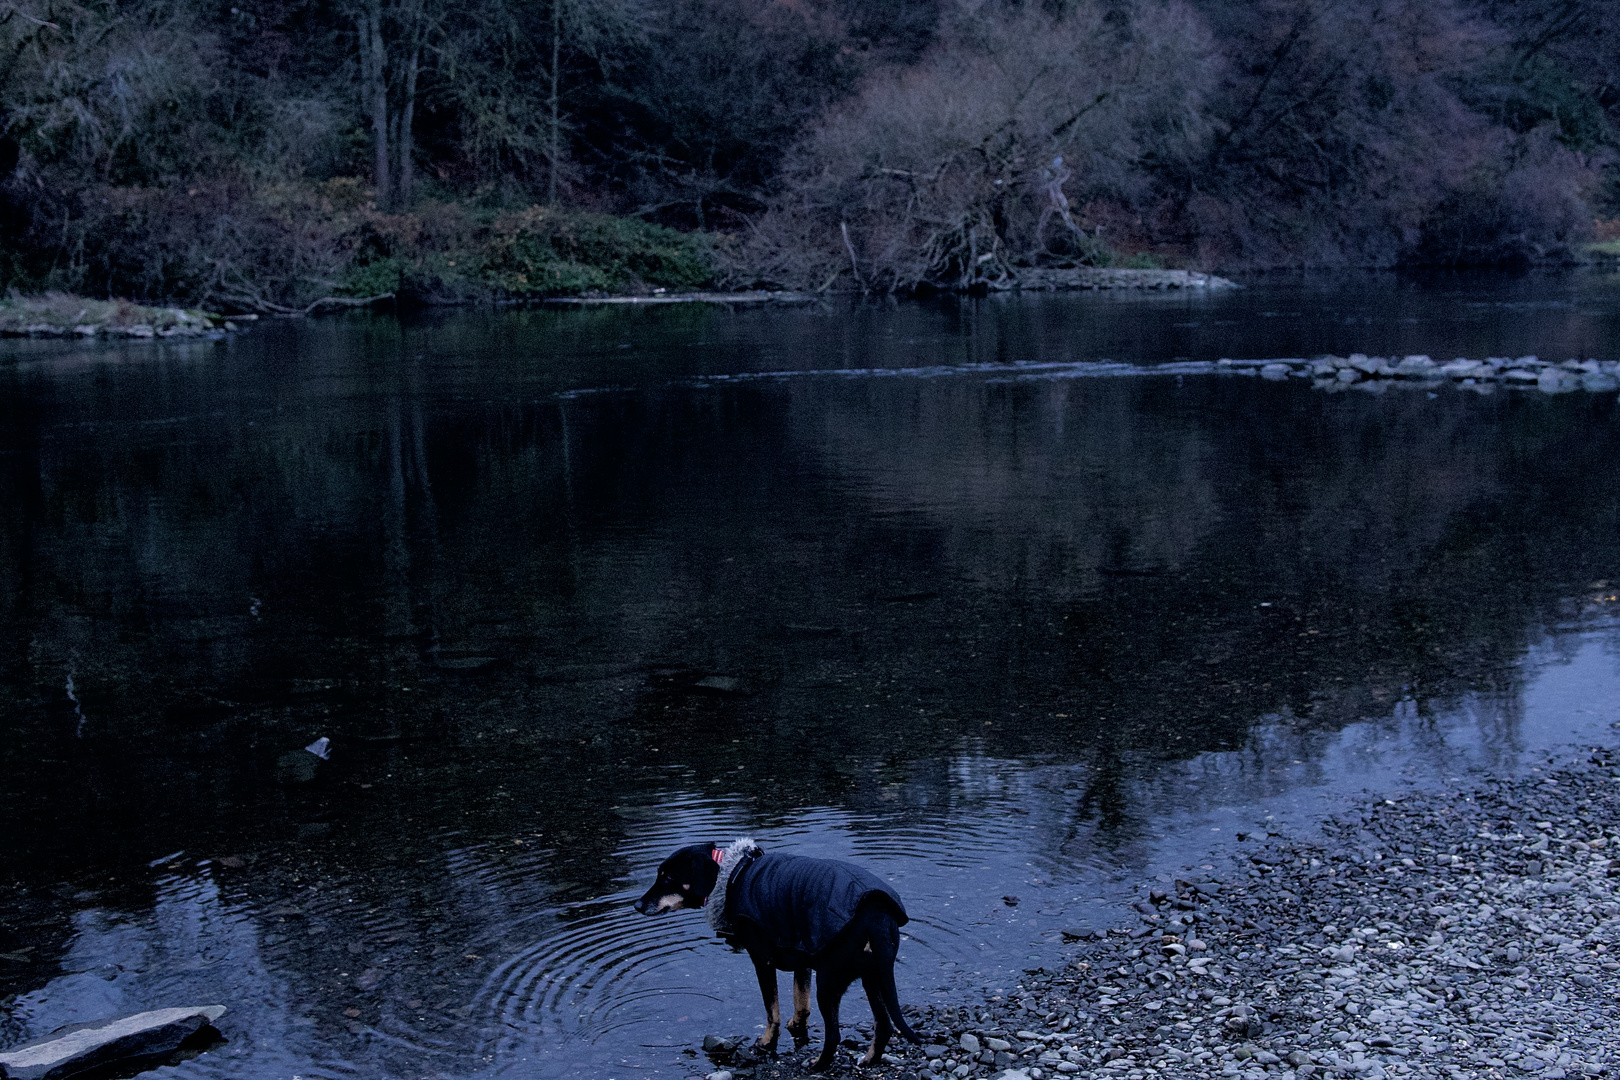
column 799, row 915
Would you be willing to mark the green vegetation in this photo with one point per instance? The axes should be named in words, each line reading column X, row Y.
column 449, row 251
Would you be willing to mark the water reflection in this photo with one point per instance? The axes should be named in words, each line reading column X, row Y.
column 992, row 638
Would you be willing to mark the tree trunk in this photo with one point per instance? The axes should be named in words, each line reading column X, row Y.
column 407, row 167
column 374, row 92
column 556, row 115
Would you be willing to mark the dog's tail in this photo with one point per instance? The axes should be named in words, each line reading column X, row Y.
column 886, row 989
column 891, row 1005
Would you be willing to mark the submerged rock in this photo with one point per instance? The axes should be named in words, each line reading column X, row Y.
column 144, row 1035
column 1375, row 373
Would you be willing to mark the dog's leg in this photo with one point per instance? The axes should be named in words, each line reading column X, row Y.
column 799, row 1026
column 773, row 1009
column 881, row 1028
column 827, row 994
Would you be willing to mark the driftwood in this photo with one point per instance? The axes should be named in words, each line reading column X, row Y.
column 777, row 297
column 335, row 301
column 843, row 227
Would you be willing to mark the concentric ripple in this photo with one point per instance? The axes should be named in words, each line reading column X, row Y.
column 600, row 969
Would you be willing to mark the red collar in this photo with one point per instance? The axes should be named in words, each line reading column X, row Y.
column 719, row 856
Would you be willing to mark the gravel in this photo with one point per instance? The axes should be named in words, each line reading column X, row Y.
column 1457, row 933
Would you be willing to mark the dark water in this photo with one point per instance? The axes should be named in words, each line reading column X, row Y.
column 562, row 599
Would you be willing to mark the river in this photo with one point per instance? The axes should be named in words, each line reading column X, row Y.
column 920, row 584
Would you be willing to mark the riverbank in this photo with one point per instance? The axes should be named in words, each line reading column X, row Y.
column 57, row 314
column 1467, row 932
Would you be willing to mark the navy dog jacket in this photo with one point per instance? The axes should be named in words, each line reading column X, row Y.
column 803, row 903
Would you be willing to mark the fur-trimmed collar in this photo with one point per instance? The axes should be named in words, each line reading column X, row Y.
column 714, row 909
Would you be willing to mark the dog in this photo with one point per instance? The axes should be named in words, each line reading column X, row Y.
column 801, row 915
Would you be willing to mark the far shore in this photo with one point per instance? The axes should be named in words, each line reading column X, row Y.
column 66, row 315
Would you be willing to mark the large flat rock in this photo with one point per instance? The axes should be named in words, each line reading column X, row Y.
column 146, row 1034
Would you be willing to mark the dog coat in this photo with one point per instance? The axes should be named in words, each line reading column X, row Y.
column 802, row 903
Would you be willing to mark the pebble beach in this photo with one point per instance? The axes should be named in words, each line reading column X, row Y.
column 1466, row 932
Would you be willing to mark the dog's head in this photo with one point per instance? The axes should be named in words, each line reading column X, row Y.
column 685, row 880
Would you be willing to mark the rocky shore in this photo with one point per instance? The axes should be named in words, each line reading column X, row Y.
column 64, row 315
column 1376, row 372
column 1473, row 932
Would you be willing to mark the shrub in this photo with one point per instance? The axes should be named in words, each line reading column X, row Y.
column 963, row 168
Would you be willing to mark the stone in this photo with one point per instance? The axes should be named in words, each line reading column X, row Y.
column 998, row 1044
column 969, row 1042
column 933, row 1052
column 1415, row 366
column 143, row 1035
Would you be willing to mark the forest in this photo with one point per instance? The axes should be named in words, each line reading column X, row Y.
column 257, row 156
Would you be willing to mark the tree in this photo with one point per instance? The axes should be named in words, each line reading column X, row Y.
column 598, row 32
column 947, row 172
column 392, row 40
